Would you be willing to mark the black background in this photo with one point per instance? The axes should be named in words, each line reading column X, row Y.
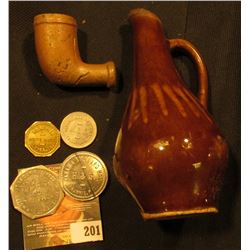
column 214, row 27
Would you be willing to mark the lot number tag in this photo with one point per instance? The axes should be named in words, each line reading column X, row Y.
column 86, row 231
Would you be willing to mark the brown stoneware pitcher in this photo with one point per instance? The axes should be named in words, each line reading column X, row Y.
column 169, row 153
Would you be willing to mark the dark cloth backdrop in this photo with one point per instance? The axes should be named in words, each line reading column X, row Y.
column 214, row 27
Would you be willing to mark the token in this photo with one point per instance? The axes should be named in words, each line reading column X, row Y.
column 83, row 176
column 36, row 192
column 78, row 130
column 42, row 138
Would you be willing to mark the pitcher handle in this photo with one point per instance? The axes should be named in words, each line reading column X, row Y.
column 200, row 65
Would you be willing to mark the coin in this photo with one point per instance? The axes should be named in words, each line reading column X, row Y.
column 42, row 138
column 78, row 130
column 83, row 176
column 36, row 192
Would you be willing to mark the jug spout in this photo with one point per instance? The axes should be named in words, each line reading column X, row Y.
column 169, row 153
column 151, row 49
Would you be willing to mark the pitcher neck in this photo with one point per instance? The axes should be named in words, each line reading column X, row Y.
column 146, row 25
column 152, row 58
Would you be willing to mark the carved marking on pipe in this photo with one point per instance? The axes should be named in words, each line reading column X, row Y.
column 185, row 98
column 173, row 97
column 82, row 76
column 132, row 110
column 198, row 105
column 160, row 98
column 143, row 103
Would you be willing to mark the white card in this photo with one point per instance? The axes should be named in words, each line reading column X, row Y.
column 86, row 231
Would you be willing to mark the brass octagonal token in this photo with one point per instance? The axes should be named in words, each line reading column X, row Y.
column 42, row 138
column 36, row 192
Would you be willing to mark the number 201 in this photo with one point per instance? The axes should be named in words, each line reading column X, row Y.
column 91, row 230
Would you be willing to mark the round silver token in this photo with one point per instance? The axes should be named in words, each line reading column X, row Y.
column 78, row 129
column 83, row 176
column 36, row 192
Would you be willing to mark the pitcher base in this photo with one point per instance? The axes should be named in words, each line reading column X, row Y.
column 178, row 213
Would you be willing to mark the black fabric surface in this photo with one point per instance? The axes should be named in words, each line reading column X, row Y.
column 214, row 27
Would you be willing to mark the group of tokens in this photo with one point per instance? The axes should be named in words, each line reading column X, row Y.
column 77, row 130
column 38, row 191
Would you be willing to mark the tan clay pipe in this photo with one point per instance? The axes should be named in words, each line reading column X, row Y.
column 59, row 57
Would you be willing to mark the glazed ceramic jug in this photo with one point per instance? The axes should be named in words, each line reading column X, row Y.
column 169, row 153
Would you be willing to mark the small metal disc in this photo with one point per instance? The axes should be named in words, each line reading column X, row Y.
column 83, row 176
column 78, row 130
column 36, row 192
column 42, row 138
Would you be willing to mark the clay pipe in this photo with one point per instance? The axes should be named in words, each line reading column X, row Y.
column 58, row 54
